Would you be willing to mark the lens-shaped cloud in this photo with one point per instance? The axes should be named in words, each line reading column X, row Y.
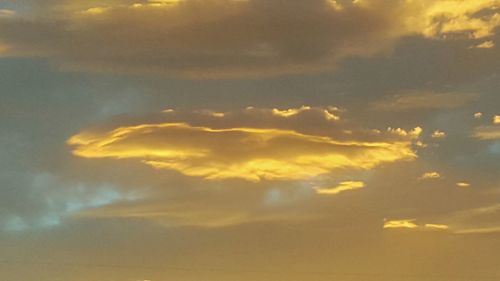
column 248, row 153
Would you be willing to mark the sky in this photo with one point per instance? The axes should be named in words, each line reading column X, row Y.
column 154, row 140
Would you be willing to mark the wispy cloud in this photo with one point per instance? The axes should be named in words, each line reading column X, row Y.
column 341, row 187
column 424, row 100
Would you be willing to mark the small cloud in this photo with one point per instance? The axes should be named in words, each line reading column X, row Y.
column 496, row 119
column 484, row 45
column 438, row 134
column 290, row 112
column 343, row 186
column 414, row 133
column 168, row 110
column 407, row 223
column 432, row 226
column 411, row 224
column 478, row 115
column 463, row 184
column 430, row 175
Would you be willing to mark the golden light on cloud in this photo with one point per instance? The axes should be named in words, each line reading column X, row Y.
column 456, row 16
column 438, row 134
column 432, row 226
column 430, row 175
column 463, row 184
column 406, row 223
column 343, row 186
column 478, row 115
column 485, row 45
column 496, row 119
column 290, row 112
column 246, row 153
column 412, row 224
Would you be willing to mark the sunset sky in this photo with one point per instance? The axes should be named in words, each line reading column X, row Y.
column 249, row 140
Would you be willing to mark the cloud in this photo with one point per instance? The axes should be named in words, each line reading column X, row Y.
column 343, row 186
column 412, row 224
column 424, row 100
column 406, row 223
column 485, row 45
column 496, row 119
column 230, row 38
column 436, row 226
column 430, row 175
column 487, row 133
column 438, row 134
column 478, row 115
column 463, row 184
column 220, row 149
column 194, row 214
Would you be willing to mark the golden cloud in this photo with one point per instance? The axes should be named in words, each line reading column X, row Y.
column 231, row 38
column 265, row 148
column 430, row 175
column 412, row 224
column 407, row 223
column 343, row 186
column 247, row 153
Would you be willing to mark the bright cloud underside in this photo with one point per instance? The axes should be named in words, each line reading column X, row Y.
column 246, row 153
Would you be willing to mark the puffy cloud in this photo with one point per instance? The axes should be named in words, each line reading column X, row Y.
column 430, row 175
column 343, row 186
column 424, row 100
column 230, row 38
column 221, row 149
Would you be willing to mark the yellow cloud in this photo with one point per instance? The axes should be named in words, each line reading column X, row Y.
column 290, row 112
column 478, row 115
column 436, row 226
column 430, row 175
column 411, row 224
column 496, row 119
column 248, row 153
column 463, row 184
column 438, row 134
column 457, row 16
column 485, row 45
column 407, row 223
column 343, row 186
